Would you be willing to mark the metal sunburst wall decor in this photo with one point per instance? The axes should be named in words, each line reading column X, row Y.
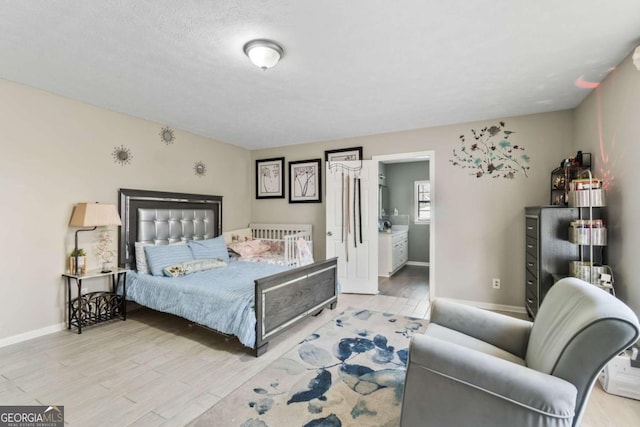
column 200, row 169
column 122, row 155
column 167, row 136
column 490, row 153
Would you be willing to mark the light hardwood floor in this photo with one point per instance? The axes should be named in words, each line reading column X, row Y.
column 156, row 370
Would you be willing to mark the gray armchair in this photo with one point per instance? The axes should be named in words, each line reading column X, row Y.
column 478, row 368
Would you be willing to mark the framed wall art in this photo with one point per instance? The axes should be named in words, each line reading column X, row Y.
column 305, row 181
column 343, row 154
column 270, row 178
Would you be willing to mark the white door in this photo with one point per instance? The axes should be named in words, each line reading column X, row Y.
column 352, row 229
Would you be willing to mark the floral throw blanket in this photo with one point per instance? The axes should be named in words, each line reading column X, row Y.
column 260, row 250
column 269, row 251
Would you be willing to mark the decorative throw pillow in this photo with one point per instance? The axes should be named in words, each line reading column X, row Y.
column 209, row 249
column 193, row 266
column 142, row 266
column 141, row 259
column 250, row 247
column 159, row 257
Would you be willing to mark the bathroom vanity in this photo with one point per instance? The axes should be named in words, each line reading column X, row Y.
column 393, row 250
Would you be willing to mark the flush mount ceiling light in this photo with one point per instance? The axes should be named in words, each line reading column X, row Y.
column 263, row 53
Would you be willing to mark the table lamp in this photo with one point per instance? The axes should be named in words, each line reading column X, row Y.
column 92, row 215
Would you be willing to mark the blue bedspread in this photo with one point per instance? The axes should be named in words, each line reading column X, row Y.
column 222, row 298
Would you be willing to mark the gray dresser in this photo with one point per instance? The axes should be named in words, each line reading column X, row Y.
column 548, row 250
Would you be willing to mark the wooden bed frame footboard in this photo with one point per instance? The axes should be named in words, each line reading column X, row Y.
column 285, row 298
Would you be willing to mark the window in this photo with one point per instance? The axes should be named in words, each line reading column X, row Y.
column 422, row 202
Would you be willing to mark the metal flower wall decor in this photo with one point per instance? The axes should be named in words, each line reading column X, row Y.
column 167, row 136
column 200, row 169
column 490, row 153
column 122, row 155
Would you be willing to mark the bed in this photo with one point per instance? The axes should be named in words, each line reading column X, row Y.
column 261, row 300
column 282, row 244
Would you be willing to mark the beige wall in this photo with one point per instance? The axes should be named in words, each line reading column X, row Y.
column 607, row 124
column 479, row 222
column 57, row 152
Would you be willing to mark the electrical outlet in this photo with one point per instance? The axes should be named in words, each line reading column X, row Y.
column 495, row 283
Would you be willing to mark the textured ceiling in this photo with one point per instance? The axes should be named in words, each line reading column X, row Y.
column 350, row 68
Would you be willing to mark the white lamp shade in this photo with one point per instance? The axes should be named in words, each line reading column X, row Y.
column 94, row 215
column 263, row 53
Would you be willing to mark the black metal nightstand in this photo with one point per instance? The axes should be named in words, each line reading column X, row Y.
column 95, row 307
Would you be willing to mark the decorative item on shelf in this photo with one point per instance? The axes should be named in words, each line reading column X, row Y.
column 585, row 184
column 558, row 182
column 586, row 192
column 167, row 136
column 588, row 232
column 92, row 215
column 559, row 200
column 570, row 168
column 122, row 155
column 583, row 159
column 105, row 250
column 78, row 257
column 580, row 159
column 589, row 271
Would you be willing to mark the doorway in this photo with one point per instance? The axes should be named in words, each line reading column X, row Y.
column 426, row 158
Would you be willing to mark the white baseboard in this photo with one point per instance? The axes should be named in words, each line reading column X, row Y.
column 420, row 263
column 492, row 306
column 32, row 334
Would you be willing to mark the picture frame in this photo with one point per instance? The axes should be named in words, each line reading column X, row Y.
column 343, row 154
column 270, row 178
column 305, row 181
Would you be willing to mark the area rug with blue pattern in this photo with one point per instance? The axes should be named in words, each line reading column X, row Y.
column 350, row 372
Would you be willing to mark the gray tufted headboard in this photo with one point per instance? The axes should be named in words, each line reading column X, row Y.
column 160, row 218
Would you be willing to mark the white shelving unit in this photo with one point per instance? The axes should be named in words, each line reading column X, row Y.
column 589, row 233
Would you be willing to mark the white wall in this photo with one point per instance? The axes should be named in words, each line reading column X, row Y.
column 479, row 222
column 607, row 124
column 57, row 152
